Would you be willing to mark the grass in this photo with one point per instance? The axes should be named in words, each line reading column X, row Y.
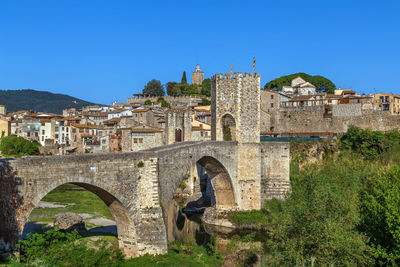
column 179, row 255
column 83, row 202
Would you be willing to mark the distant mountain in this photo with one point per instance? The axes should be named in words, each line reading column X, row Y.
column 39, row 101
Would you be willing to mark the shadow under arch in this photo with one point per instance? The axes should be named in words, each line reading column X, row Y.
column 221, row 182
column 125, row 225
column 215, row 189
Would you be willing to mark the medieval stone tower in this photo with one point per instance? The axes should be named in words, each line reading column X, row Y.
column 178, row 126
column 235, row 111
column 235, row 107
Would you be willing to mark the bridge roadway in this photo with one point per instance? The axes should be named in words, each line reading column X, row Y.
column 138, row 187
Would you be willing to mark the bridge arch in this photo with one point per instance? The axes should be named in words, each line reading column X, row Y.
column 222, row 191
column 126, row 231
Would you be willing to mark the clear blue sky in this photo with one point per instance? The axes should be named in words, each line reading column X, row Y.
column 104, row 51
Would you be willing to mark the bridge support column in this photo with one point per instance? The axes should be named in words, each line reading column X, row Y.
column 249, row 174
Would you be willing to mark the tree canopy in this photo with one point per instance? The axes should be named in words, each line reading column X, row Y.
column 18, row 146
column 323, row 84
column 206, row 87
column 154, row 87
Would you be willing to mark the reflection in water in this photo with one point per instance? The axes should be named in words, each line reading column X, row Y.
column 191, row 215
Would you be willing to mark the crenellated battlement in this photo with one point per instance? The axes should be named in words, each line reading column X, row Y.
column 229, row 76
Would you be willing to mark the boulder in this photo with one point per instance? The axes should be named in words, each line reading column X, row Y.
column 69, row 221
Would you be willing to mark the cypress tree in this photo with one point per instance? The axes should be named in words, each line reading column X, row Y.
column 184, row 80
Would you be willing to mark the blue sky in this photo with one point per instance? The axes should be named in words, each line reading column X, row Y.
column 104, row 51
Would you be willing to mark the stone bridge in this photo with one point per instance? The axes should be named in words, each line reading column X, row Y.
column 138, row 187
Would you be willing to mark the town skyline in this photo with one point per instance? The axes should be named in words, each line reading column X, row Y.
column 104, row 53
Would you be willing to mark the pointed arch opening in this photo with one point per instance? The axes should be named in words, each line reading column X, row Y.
column 228, row 125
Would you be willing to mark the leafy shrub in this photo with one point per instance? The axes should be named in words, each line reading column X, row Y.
column 54, row 248
column 18, row 146
column 182, row 185
column 381, row 215
column 147, row 102
column 140, row 164
column 369, row 143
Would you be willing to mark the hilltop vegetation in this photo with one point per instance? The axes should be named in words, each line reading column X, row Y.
column 323, row 84
column 39, row 101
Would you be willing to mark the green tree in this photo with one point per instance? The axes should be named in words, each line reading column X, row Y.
column 154, row 87
column 191, row 89
column 172, row 89
column 369, row 143
column 206, row 87
column 148, row 102
column 319, row 219
column 18, row 146
column 323, row 84
column 164, row 103
column 184, row 80
column 381, row 215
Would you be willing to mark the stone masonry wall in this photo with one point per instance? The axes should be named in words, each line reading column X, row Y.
column 312, row 119
column 346, row 110
column 275, row 163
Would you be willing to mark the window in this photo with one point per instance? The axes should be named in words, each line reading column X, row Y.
column 43, row 132
column 42, row 138
column 56, row 129
column 100, row 133
column 28, row 134
column 140, row 140
column 36, row 127
column 386, row 98
column 74, row 130
column 56, row 136
column 272, row 96
column 381, row 98
column 81, row 130
column 103, row 141
column 206, row 133
column 28, row 128
column 272, row 105
column 201, row 133
column 135, row 140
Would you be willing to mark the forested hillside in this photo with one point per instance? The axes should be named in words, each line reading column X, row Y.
column 39, row 101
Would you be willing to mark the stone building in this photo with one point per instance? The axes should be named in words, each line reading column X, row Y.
column 5, row 126
column 238, row 111
column 387, row 102
column 178, row 126
column 3, row 110
column 140, row 138
column 299, row 87
column 197, row 76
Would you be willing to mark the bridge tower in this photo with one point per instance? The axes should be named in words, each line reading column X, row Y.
column 235, row 107
column 235, row 111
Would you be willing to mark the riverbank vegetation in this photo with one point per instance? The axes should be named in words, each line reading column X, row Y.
column 343, row 210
